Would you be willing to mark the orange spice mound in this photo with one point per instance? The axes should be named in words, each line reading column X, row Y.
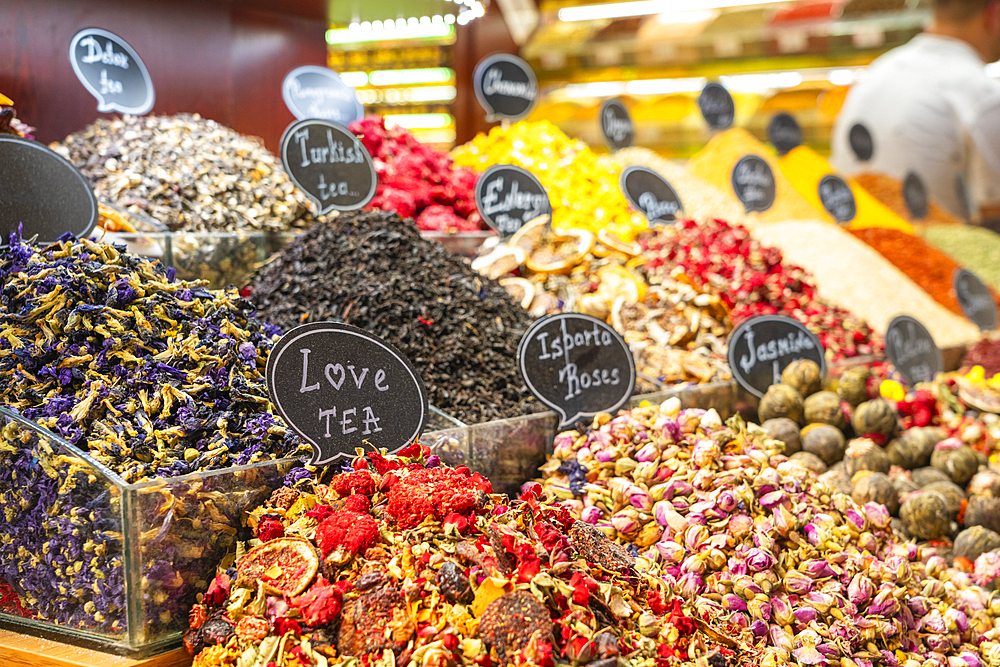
column 922, row 262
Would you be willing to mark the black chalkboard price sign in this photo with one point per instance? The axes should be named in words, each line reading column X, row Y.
column 912, row 350
column 837, row 198
column 761, row 347
column 42, row 192
column 318, row 92
column 508, row 196
column 716, row 105
column 753, row 182
column 616, row 125
column 860, row 139
column 339, row 386
column 649, row 193
column 784, row 132
column 111, row 71
column 577, row 365
column 975, row 299
column 915, row 196
column 506, row 86
column 329, row 164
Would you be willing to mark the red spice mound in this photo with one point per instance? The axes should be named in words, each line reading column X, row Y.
column 319, row 605
column 354, row 531
column 418, row 181
column 433, row 492
column 359, row 481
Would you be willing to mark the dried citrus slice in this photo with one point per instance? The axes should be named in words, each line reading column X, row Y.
column 521, row 289
column 616, row 281
column 611, row 240
column 529, row 236
column 562, row 251
column 499, row 261
column 286, row 565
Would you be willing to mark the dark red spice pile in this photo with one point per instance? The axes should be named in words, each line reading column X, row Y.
column 754, row 280
column 985, row 353
column 418, row 181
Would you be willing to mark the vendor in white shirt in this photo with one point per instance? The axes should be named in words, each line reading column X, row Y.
column 929, row 108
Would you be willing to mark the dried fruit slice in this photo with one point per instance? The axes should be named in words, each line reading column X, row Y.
column 286, row 565
column 529, row 236
column 561, row 251
column 611, row 240
column 617, row 281
column 498, row 262
column 521, row 289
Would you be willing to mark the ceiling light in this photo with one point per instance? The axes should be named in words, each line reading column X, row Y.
column 402, row 77
column 665, row 86
column 449, row 18
column 424, row 121
column 614, row 10
column 596, row 89
column 433, row 31
column 756, row 82
column 354, row 79
column 431, row 94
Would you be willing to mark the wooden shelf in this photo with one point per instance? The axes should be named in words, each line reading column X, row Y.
column 17, row 650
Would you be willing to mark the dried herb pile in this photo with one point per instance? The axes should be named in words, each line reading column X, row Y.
column 373, row 270
column 403, row 561
column 742, row 532
column 188, row 172
column 153, row 378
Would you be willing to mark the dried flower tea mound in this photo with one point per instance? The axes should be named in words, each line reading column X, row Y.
column 373, row 270
column 403, row 561
column 418, row 181
column 744, row 532
column 152, row 378
column 188, row 172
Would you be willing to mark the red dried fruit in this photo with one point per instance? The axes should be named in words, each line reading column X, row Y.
column 286, row 565
column 252, row 629
column 433, row 492
column 269, row 529
column 354, row 531
column 319, row 605
column 511, row 621
column 197, row 616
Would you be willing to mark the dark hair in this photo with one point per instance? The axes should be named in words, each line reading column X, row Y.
column 960, row 10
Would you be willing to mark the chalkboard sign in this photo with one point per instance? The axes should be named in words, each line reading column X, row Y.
column 43, row 192
column 111, row 71
column 753, row 183
column 915, row 196
column 577, row 365
column 837, row 198
column 506, row 86
column 717, row 106
column 329, row 164
column 976, row 300
column 648, row 192
column 761, row 347
column 508, row 196
column 784, row 132
column 861, row 142
column 318, row 92
column 616, row 125
column 339, row 386
column 912, row 350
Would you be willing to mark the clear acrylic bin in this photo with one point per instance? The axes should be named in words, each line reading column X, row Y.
column 116, row 566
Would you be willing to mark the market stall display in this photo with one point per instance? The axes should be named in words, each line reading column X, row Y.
column 582, row 189
column 373, row 270
column 9, row 124
column 739, row 528
column 141, row 378
column 889, row 191
column 876, row 292
column 407, row 560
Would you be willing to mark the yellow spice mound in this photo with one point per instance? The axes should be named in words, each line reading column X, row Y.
column 583, row 189
column 714, row 164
